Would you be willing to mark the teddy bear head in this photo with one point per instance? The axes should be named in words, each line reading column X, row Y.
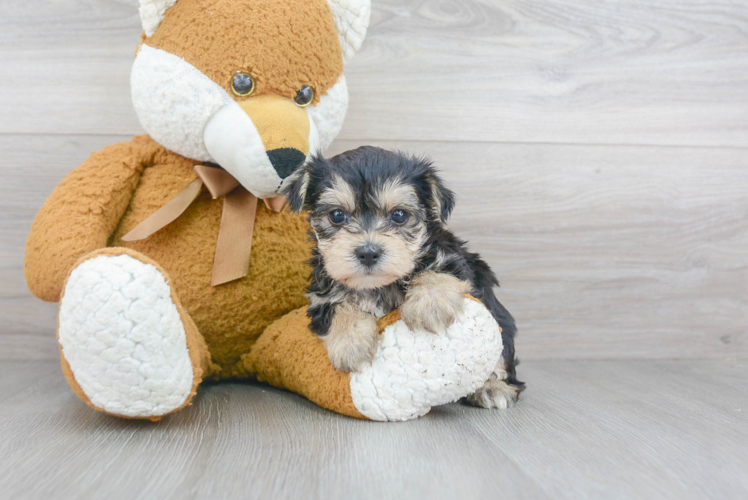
column 255, row 86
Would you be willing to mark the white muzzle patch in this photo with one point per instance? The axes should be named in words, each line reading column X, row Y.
column 174, row 101
column 233, row 141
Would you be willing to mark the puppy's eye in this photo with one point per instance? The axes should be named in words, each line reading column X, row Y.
column 399, row 217
column 337, row 217
column 242, row 84
column 304, row 96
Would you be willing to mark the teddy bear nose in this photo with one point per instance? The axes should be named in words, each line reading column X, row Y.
column 286, row 160
column 368, row 255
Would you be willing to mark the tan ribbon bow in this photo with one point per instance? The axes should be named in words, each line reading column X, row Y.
column 234, row 244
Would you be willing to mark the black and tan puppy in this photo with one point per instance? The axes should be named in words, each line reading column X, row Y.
column 381, row 243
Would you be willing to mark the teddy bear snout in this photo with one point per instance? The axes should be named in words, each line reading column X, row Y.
column 261, row 141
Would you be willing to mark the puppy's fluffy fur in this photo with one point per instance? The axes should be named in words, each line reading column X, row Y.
column 378, row 220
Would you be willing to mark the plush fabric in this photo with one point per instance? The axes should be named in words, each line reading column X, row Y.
column 140, row 326
column 140, row 369
column 288, row 355
column 407, row 375
column 174, row 101
column 233, row 315
column 283, row 46
column 152, row 12
column 280, row 246
column 181, row 79
column 82, row 213
column 351, row 19
column 239, row 135
column 411, row 371
column 328, row 115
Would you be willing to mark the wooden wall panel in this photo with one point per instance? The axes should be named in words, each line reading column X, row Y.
column 599, row 150
column 602, row 251
column 635, row 72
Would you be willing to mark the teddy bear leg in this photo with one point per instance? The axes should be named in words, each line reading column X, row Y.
column 128, row 348
column 289, row 355
column 412, row 370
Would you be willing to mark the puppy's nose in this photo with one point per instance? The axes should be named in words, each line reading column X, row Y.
column 286, row 160
column 368, row 255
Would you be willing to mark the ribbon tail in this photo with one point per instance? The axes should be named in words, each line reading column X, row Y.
column 166, row 214
column 234, row 244
column 275, row 204
column 218, row 181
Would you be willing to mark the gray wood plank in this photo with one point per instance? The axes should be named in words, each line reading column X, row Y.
column 636, row 72
column 602, row 251
column 631, row 429
column 584, row 429
column 16, row 377
column 607, row 252
column 237, row 441
column 31, row 168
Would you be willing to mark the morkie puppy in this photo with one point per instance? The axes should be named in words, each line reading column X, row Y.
column 378, row 220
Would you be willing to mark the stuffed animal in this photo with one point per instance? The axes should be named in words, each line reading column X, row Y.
column 167, row 269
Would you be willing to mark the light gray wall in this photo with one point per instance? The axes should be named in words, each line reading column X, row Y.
column 599, row 152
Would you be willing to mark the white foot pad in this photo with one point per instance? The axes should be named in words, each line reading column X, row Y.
column 413, row 371
column 123, row 338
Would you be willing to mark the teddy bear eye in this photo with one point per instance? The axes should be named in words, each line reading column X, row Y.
column 337, row 217
column 399, row 217
column 242, row 84
column 304, row 96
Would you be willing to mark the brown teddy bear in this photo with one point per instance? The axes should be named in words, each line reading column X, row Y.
column 169, row 271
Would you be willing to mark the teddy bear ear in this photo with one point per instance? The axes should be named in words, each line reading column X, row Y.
column 351, row 20
column 152, row 12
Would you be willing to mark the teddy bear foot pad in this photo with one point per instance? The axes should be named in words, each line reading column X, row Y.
column 415, row 370
column 123, row 338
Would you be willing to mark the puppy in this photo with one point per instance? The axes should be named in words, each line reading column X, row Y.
column 378, row 220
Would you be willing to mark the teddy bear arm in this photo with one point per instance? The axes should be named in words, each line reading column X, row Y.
column 80, row 215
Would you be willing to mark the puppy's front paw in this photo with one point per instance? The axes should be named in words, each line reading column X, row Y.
column 352, row 338
column 433, row 301
column 495, row 394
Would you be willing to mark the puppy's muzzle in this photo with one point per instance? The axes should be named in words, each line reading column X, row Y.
column 368, row 255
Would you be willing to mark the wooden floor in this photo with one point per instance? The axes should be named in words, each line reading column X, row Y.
column 586, row 429
column 599, row 151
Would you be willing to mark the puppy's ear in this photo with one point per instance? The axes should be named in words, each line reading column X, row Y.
column 443, row 199
column 297, row 189
column 301, row 191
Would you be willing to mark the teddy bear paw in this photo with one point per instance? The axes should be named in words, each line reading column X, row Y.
column 122, row 336
column 414, row 370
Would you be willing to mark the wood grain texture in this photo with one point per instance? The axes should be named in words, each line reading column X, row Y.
column 619, row 429
column 598, row 150
column 568, row 71
column 608, row 252
column 635, row 72
column 602, row 251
